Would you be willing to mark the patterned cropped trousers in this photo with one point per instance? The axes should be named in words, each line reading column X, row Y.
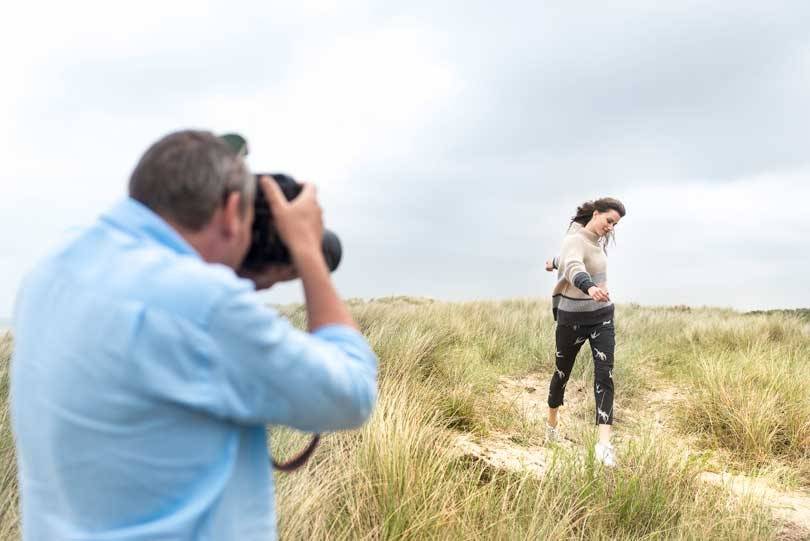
column 602, row 338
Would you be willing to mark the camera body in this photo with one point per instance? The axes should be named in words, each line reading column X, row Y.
column 266, row 247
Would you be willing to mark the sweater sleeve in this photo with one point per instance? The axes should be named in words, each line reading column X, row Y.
column 572, row 263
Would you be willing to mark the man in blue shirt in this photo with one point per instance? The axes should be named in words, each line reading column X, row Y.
column 145, row 370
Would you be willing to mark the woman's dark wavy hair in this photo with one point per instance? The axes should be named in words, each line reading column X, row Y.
column 585, row 213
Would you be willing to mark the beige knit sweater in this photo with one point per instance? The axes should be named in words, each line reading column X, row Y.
column 580, row 253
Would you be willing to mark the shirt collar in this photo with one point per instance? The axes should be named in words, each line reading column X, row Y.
column 139, row 220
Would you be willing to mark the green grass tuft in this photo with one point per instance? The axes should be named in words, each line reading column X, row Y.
column 744, row 391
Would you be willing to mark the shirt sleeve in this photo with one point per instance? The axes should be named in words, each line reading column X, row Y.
column 267, row 371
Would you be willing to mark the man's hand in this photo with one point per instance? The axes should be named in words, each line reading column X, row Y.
column 598, row 294
column 271, row 274
column 549, row 265
column 299, row 222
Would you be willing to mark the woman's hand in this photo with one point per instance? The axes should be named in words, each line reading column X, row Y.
column 550, row 265
column 598, row 294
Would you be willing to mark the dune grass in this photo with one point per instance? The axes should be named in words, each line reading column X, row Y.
column 399, row 477
column 9, row 511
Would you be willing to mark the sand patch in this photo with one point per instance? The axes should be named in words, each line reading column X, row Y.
column 500, row 452
column 793, row 507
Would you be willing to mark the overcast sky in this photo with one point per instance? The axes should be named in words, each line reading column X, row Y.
column 450, row 141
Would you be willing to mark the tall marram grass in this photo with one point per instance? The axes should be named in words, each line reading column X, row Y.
column 400, row 477
column 754, row 403
column 745, row 377
column 9, row 511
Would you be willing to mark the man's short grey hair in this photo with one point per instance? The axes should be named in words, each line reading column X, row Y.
column 187, row 175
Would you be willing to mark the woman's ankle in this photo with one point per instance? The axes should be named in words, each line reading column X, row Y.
column 604, row 432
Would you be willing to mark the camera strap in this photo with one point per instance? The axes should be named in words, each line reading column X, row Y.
column 299, row 460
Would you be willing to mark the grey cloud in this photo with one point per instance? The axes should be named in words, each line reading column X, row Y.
column 153, row 82
column 566, row 112
column 557, row 104
column 715, row 92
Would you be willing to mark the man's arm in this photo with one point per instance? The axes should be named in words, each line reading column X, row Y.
column 274, row 373
column 300, row 225
column 324, row 307
column 264, row 370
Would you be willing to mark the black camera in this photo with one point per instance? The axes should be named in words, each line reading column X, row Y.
column 266, row 247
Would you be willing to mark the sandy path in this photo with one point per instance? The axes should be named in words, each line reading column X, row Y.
column 793, row 507
column 527, row 396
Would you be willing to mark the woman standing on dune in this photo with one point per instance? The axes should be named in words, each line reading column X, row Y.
column 584, row 312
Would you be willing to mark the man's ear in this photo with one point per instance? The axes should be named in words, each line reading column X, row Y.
column 232, row 214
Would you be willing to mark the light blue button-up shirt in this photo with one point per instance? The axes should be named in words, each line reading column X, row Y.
column 142, row 379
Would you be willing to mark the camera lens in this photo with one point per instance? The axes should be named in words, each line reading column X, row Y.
column 332, row 251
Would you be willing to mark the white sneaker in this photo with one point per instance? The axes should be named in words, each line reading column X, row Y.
column 552, row 435
column 605, row 455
